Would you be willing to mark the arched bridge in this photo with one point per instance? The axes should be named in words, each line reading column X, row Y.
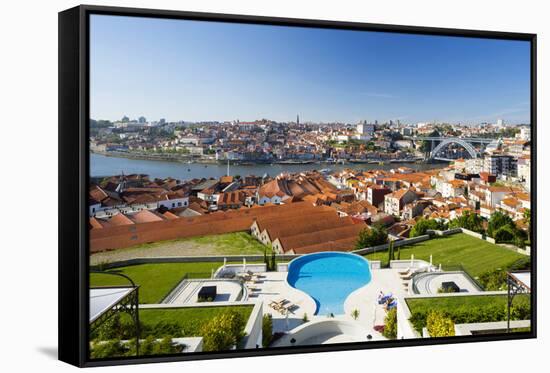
column 465, row 142
column 446, row 142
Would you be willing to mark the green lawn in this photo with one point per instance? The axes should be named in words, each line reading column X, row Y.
column 189, row 320
column 476, row 256
column 155, row 280
column 232, row 243
column 238, row 243
column 469, row 309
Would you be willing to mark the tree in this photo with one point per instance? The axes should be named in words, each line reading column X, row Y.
column 267, row 330
column 371, row 237
column 355, row 314
column 390, row 324
column 498, row 220
column 527, row 218
column 504, row 234
column 391, row 255
column 266, row 261
column 223, row 332
column 110, row 329
column 439, row 325
column 470, row 221
column 112, row 348
column 423, row 225
column 273, row 261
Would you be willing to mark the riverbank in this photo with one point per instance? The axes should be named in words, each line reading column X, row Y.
column 182, row 158
column 101, row 165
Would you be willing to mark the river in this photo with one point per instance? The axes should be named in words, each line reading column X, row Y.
column 101, row 165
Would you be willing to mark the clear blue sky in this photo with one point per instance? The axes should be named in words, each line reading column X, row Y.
column 195, row 71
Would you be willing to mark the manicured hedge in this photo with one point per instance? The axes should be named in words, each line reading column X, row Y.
column 468, row 309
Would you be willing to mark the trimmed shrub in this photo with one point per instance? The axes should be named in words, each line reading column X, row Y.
column 371, row 237
column 390, row 324
column 267, row 330
column 223, row 332
column 112, row 348
column 439, row 326
column 493, row 280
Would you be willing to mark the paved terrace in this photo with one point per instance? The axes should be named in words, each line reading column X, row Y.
column 272, row 286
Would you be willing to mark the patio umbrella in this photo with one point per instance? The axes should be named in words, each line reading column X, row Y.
column 430, row 260
column 412, row 260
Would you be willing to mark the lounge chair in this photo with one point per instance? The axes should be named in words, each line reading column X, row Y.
column 406, row 270
column 409, row 273
column 290, row 307
column 280, row 301
column 409, row 276
column 279, row 308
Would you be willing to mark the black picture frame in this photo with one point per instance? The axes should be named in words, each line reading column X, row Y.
column 74, row 176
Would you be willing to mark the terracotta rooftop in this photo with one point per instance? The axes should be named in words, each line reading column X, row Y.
column 145, row 216
column 295, row 242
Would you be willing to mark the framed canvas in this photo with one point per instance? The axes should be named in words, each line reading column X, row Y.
column 234, row 186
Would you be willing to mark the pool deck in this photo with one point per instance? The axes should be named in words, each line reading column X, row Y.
column 272, row 286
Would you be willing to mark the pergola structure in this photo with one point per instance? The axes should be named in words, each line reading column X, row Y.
column 518, row 283
column 106, row 301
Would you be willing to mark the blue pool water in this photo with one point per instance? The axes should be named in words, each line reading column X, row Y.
column 329, row 278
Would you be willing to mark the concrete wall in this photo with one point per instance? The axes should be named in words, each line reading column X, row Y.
column 408, row 263
column 405, row 330
column 253, row 329
column 448, row 232
column 478, row 235
column 316, row 328
column 467, row 329
column 232, row 269
column 192, row 259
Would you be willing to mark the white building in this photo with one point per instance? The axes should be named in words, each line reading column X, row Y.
column 524, row 171
column 453, row 188
column 525, row 133
column 473, row 165
column 365, row 128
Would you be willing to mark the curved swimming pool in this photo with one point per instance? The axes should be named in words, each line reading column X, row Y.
column 329, row 278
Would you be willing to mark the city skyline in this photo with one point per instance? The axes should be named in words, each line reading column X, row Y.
column 202, row 71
